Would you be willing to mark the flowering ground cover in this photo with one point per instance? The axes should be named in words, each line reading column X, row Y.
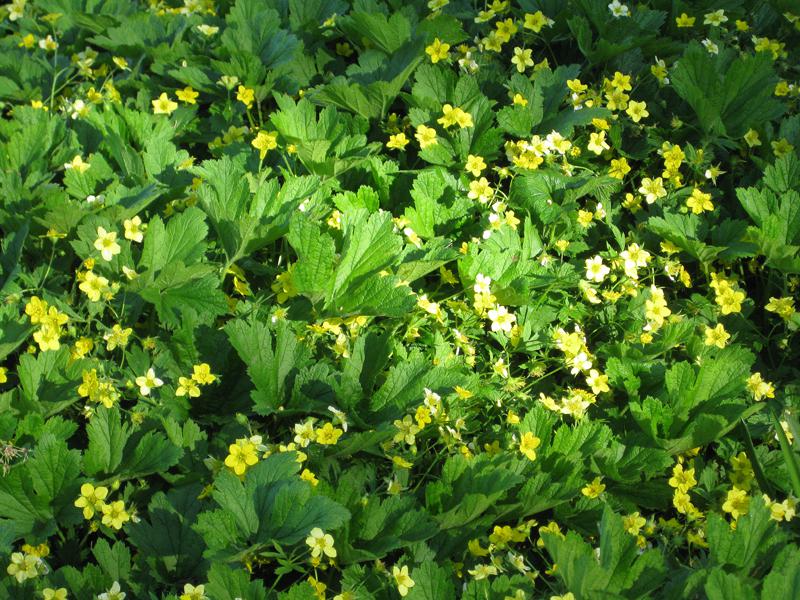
column 399, row 299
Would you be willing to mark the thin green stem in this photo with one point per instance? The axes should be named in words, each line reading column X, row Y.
column 750, row 451
column 788, row 454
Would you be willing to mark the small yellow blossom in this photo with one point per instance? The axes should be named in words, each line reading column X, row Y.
column 321, row 543
column 106, row 243
column 245, row 95
column 402, row 579
column 241, row 455
column 163, row 105
column 265, row 141
column 716, row 336
column 594, row 489
column 134, row 230
column 187, row 95
column 202, row 374
column 737, row 503
column 187, row 387
column 426, row 136
column 91, row 499
column 783, row 307
column 438, row 50
column 528, row 444
column 115, row 515
column 398, row 141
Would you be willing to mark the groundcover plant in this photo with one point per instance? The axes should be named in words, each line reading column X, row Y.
column 382, row 299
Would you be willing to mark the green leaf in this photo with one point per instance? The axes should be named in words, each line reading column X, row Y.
column 181, row 292
column 755, row 536
column 727, row 586
column 165, row 534
column 107, row 439
column 619, row 569
column 148, row 453
column 407, row 380
column 115, row 561
column 370, row 245
column 312, row 274
column 727, row 95
column 10, row 256
column 181, row 240
column 432, row 582
column 783, row 581
column 226, row 583
column 387, row 33
column 268, row 365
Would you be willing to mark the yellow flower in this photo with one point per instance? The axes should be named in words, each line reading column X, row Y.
column 594, row 489
column 117, row 337
column 308, row 476
column 54, row 594
column 187, row 95
column 134, row 230
column 685, row 20
column 120, row 62
column 23, row 566
column 193, row 592
column 438, row 51
column 265, row 141
column 454, row 116
column 522, row 59
column 637, row 111
column 480, row 190
column 245, row 95
column 716, row 336
column 730, row 301
column 619, row 168
column 36, row 309
column 94, row 286
column 163, row 105
column 652, row 189
column 328, row 435
column 681, row 479
column 475, row 164
column 187, row 386
column 27, row 41
column 398, row 141
column 519, row 100
column 715, row 18
column 783, row 307
column 536, row 21
column 699, row 202
column 106, row 243
column 781, row 147
column 751, row 138
column 528, row 444
column 77, row 164
column 759, row 387
column 402, row 579
column 737, row 503
column 633, row 523
column 241, row 455
column 597, row 142
column 321, row 543
column 207, row 30
column 147, row 382
column 202, row 374
column 426, row 136
column 505, row 30
column 91, row 499
column 3, row 375
column 115, row 515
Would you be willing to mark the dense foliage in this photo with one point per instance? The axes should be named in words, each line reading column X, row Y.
column 423, row 299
